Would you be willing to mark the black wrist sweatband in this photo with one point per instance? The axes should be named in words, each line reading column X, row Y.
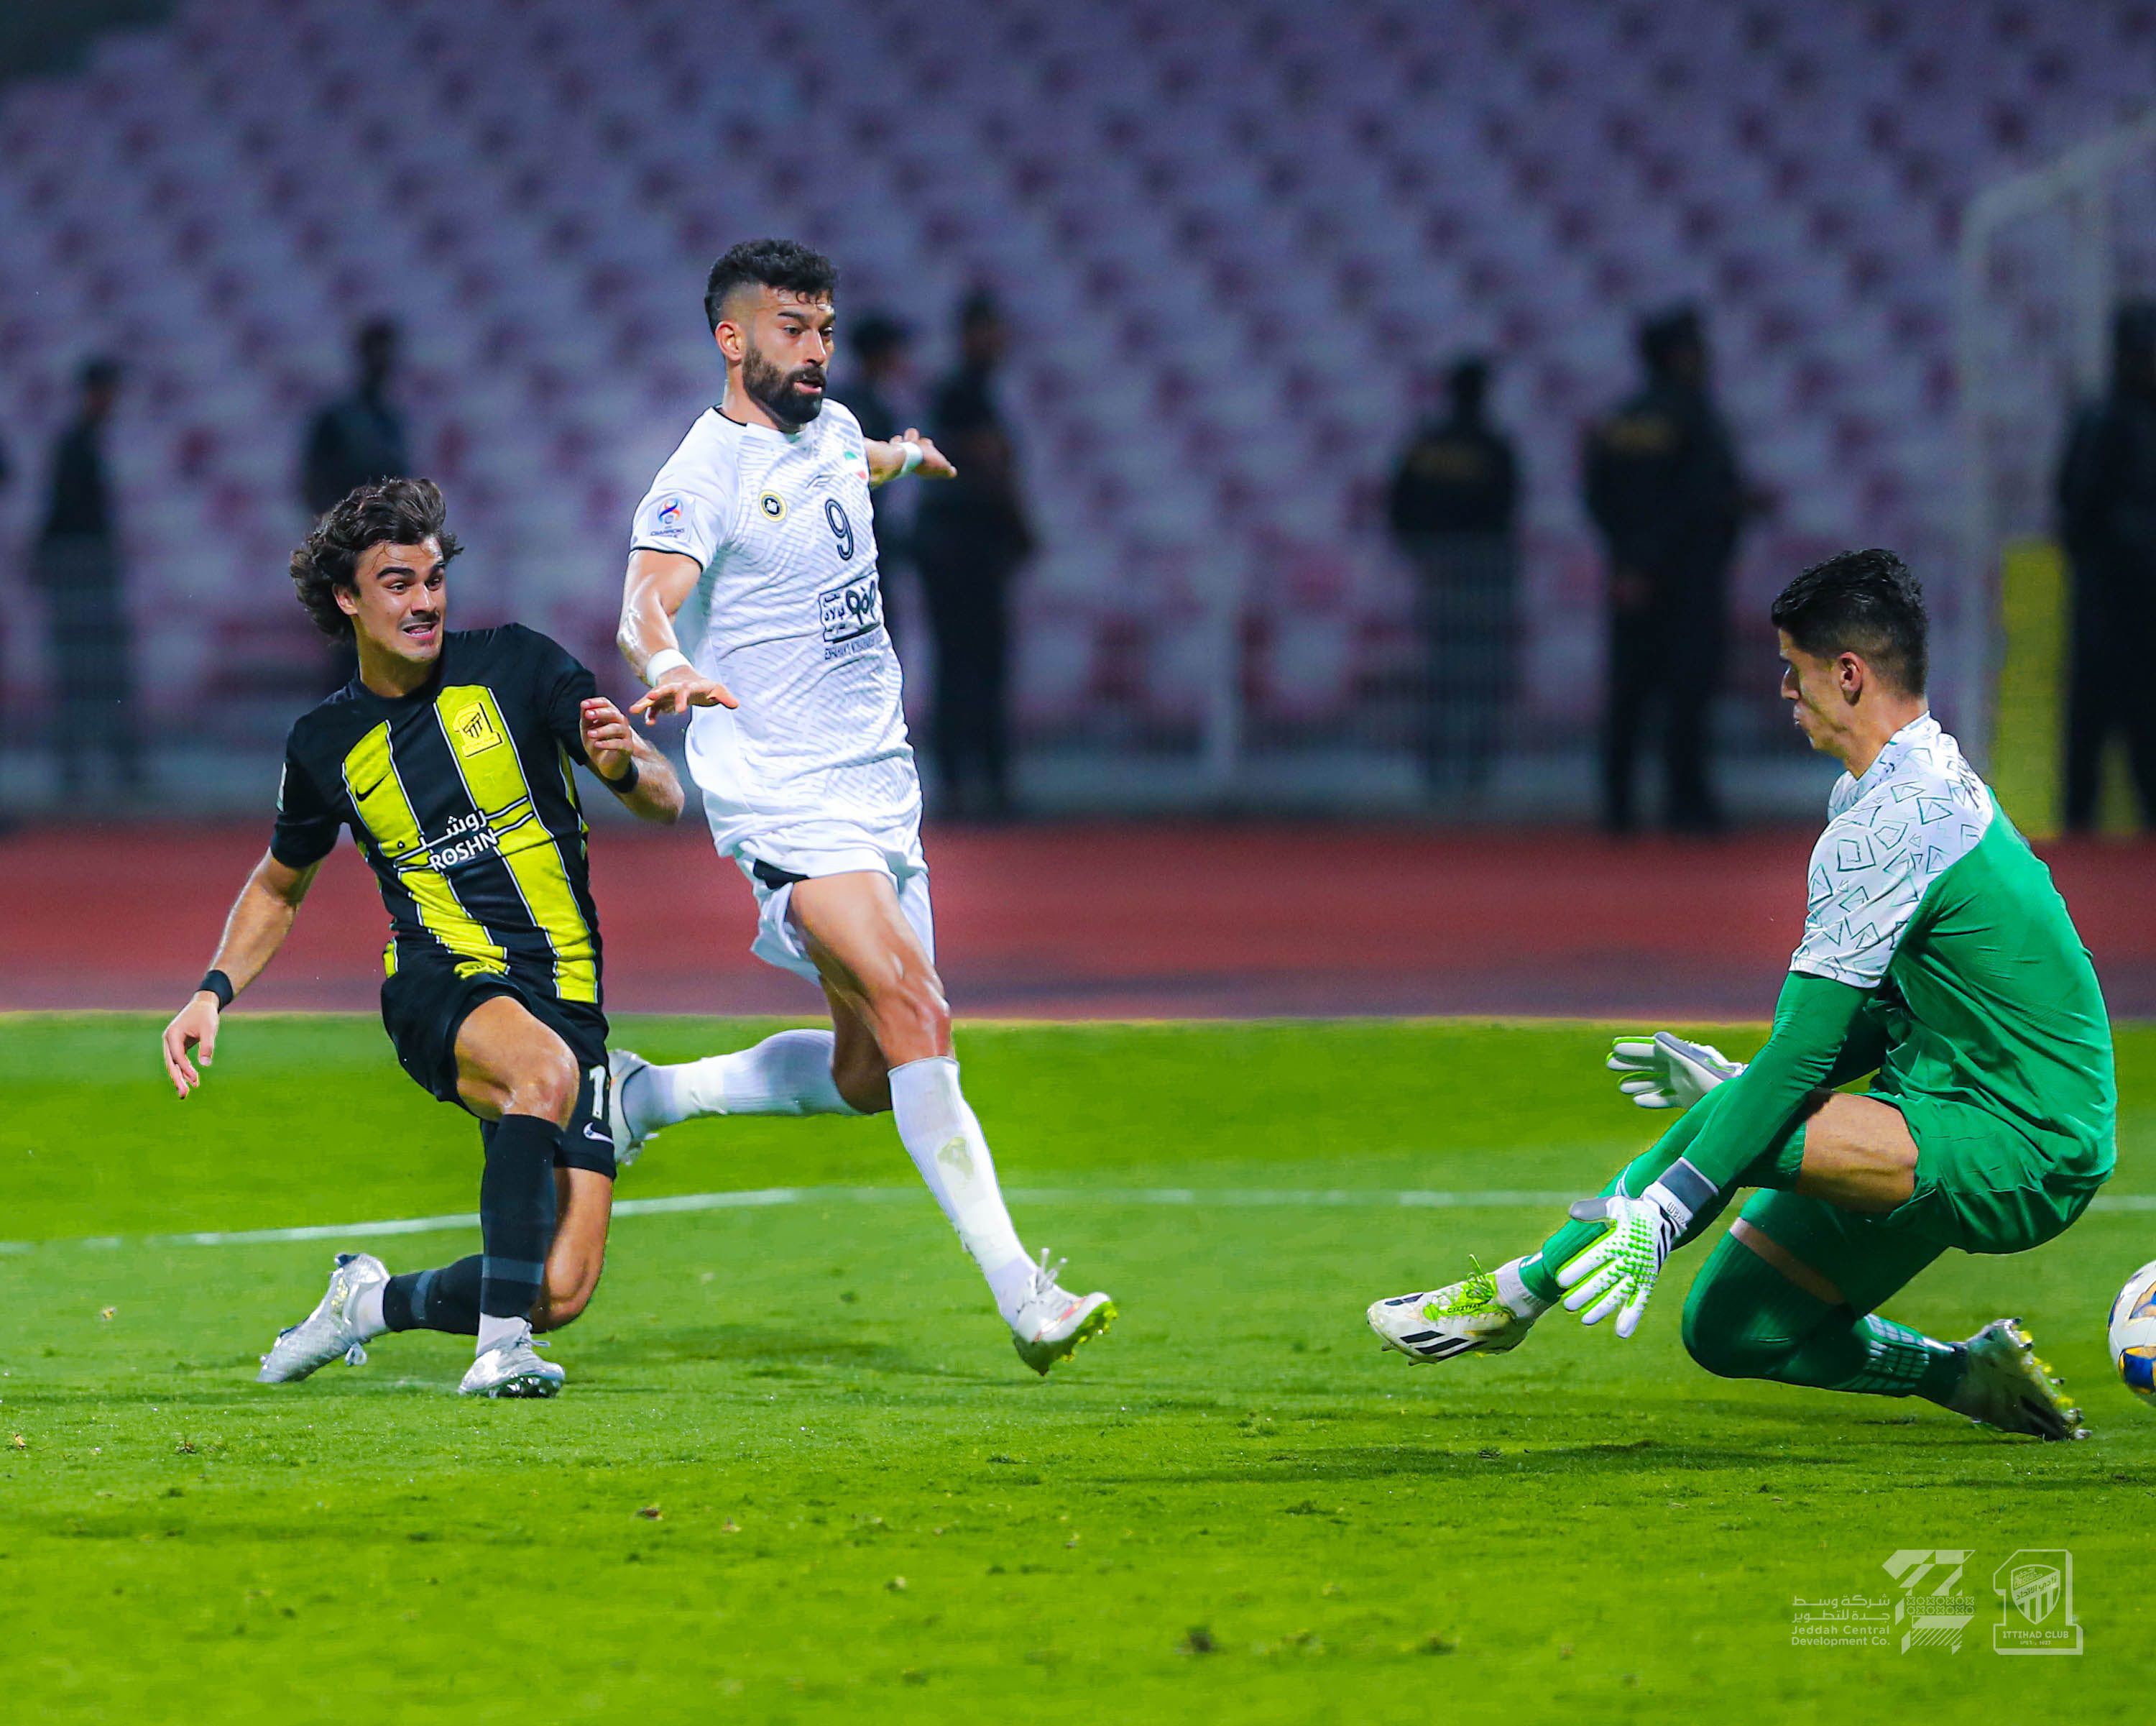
column 626, row 783
column 218, row 985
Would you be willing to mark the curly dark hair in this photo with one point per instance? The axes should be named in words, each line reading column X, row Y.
column 396, row 512
column 786, row 264
column 1865, row 603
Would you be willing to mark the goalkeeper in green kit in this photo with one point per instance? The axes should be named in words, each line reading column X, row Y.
column 1938, row 958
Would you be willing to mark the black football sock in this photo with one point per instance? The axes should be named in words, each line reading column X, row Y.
column 444, row 1299
column 517, row 1214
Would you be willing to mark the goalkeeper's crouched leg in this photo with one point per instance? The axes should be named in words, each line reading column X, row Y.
column 1746, row 1318
column 1742, row 1320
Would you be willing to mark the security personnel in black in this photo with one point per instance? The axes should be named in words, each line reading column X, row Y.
column 880, row 346
column 1452, row 508
column 360, row 437
column 2107, row 517
column 77, row 564
column 1663, row 487
column 353, row 441
column 970, row 537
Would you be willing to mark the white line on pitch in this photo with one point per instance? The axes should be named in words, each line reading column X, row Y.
column 1326, row 1199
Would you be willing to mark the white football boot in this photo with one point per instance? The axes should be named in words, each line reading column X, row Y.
column 2008, row 1389
column 1464, row 1317
column 326, row 1332
column 510, row 1369
column 1051, row 1322
column 623, row 1066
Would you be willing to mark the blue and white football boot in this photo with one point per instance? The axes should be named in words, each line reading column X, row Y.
column 328, row 1331
column 510, row 1369
column 624, row 1067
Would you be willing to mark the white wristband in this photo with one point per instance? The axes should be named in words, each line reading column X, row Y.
column 912, row 460
column 663, row 661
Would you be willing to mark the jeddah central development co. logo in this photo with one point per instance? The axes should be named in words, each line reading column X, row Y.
column 2036, row 1591
column 1932, row 1611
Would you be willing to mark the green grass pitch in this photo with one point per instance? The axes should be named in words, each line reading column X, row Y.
column 799, row 1474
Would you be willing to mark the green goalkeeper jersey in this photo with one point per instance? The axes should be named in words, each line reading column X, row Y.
column 1923, row 894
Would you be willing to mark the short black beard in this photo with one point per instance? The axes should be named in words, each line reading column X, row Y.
column 772, row 389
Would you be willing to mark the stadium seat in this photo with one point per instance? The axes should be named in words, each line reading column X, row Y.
column 1194, row 211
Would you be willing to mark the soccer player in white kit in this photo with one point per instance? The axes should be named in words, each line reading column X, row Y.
column 796, row 738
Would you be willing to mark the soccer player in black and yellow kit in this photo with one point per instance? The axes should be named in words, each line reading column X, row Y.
column 450, row 757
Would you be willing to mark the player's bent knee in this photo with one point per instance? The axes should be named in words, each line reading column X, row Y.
column 1716, row 1351
column 546, row 1086
column 912, row 1019
column 554, row 1314
column 1720, row 1329
column 864, row 1083
column 565, row 1298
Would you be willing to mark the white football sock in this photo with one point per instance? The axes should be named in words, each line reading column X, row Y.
column 942, row 1136
column 787, row 1074
column 493, row 1330
column 365, row 1315
column 1515, row 1293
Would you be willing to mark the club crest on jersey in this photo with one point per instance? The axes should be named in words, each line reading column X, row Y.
column 772, row 505
column 473, row 730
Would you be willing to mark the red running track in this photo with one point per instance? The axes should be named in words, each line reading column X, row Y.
column 1082, row 921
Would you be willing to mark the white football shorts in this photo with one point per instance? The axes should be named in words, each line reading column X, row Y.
column 808, row 850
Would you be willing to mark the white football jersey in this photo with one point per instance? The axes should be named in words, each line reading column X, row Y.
column 1919, row 810
column 792, row 623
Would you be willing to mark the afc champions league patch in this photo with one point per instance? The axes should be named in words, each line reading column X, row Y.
column 668, row 523
column 772, row 505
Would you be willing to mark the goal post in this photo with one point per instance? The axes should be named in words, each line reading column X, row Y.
column 2043, row 257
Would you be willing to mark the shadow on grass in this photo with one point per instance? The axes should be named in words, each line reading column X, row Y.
column 1356, row 1463
column 782, row 1356
column 1943, row 1454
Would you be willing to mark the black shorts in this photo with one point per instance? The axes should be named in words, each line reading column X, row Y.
column 423, row 1007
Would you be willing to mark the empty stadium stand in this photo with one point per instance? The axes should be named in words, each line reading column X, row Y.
column 1232, row 236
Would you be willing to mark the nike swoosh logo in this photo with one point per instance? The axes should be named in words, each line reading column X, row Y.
column 594, row 1130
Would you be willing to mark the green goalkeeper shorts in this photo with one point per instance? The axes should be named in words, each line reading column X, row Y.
column 1983, row 1184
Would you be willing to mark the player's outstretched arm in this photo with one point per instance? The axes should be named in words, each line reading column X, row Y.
column 633, row 771
column 261, row 918
column 908, row 453
column 657, row 585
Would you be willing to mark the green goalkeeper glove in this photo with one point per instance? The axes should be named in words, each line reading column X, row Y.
column 1666, row 1072
column 1616, row 1273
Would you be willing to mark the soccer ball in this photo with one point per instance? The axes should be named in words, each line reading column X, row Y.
column 2134, row 1333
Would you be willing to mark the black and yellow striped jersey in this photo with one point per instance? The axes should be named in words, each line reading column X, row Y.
column 462, row 798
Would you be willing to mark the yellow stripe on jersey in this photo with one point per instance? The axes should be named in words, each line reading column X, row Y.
column 569, row 784
column 370, row 776
column 486, row 757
